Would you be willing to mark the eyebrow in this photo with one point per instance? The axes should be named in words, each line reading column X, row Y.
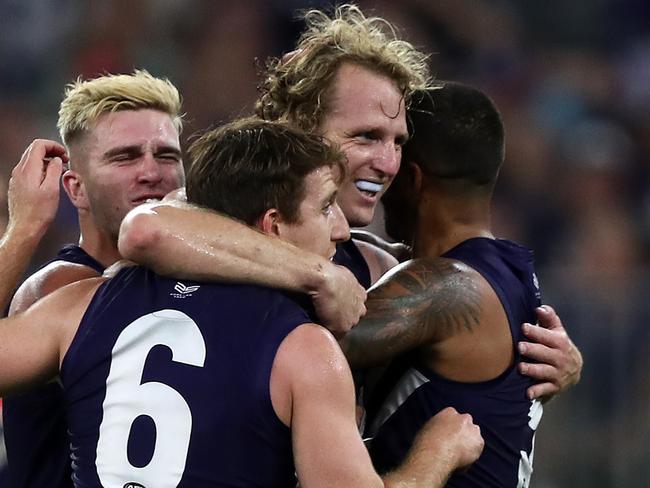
column 167, row 149
column 134, row 149
column 331, row 197
column 137, row 149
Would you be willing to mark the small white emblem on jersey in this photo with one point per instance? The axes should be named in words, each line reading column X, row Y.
column 183, row 290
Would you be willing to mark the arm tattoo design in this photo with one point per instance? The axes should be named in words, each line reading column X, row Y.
column 427, row 300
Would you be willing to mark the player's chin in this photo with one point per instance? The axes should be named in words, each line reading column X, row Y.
column 361, row 215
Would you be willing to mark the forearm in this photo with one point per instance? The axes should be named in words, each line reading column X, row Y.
column 425, row 466
column 186, row 242
column 425, row 477
column 16, row 249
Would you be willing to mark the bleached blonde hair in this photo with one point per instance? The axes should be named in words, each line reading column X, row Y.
column 295, row 87
column 86, row 100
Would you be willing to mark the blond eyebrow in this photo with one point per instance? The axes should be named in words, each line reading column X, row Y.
column 135, row 149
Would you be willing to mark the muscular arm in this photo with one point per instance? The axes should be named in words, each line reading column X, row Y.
column 424, row 301
column 33, row 200
column 328, row 450
column 33, row 343
column 419, row 302
column 178, row 239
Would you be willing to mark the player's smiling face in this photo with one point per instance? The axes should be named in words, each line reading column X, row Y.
column 366, row 117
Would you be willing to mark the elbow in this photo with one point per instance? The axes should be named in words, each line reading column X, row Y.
column 140, row 233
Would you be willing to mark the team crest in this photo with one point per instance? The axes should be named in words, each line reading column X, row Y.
column 184, row 291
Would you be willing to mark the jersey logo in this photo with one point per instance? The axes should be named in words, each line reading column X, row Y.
column 183, row 290
column 133, row 484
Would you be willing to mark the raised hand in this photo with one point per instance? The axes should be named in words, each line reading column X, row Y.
column 33, row 194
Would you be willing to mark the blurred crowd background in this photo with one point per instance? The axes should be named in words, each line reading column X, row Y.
column 572, row 80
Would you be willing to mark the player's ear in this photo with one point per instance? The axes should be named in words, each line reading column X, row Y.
column 416, row 177
column 409, row 180
column 269, row 223
column 75, row 188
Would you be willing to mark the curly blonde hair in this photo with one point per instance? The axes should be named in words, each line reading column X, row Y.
column 295, row 87
column 86, row 100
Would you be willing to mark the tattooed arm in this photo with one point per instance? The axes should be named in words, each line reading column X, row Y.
column 419, row 302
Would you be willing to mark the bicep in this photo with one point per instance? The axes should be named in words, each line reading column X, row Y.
column 328, row 449
column 30, row 347
column 419, row 303
column 33, row 342
column 46, row 281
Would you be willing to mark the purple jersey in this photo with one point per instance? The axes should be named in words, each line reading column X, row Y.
column 508, row 419
column 35, row 430
column 167, row 384
column 348, row 255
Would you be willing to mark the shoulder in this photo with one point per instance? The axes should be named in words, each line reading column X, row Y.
column 55, row 275
column 74, row 295
column 443, row 295
column 433, row 288
column 312, row 355
column 425, row 274
column 379, row 261
column 64, row 308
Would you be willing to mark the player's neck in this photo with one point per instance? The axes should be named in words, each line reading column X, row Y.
column 444, row 225
column 98, row 244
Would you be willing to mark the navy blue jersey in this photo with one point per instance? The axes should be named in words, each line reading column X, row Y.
column 35, row 430
column 348, row 255
column 167, row 384
column 72, row 253
column 507, row 418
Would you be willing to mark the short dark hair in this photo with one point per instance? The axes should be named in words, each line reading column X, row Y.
column 248, row 166
column 456, row 134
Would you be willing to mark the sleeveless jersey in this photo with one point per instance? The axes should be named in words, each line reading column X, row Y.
column 507, row 418
column 167, row 384
column 348, row 255
column 35, row 430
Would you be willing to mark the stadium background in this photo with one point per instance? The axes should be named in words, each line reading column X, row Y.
column 572, row 80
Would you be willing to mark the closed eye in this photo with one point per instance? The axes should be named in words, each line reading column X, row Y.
column 168, row 153
column 124, row 157
column 171, row 157
column 369, row 135
column 122, row 154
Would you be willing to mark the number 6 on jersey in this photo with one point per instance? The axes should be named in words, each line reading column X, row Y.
column 127, row 399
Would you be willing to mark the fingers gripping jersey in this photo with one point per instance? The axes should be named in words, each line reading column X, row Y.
column 167, row 384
